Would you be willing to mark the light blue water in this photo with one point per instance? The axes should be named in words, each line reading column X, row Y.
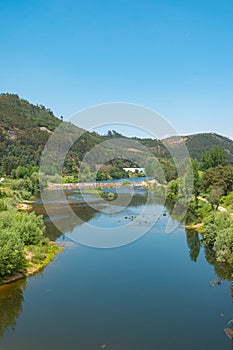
column 143, row 296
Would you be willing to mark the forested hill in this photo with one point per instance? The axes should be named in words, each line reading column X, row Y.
column 16, row 113
column 196, row 144
column 199, row 143
column 25, row 129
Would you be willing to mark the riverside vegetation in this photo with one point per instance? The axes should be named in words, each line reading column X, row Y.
column 24, row 131
column 211, row 209
column 24, row 249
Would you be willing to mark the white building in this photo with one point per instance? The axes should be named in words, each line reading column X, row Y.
column 134, row 170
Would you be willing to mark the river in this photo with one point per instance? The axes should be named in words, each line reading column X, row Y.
column 154, row 293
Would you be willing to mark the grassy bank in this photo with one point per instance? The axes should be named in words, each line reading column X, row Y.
column 24, row 249
column 35, row 260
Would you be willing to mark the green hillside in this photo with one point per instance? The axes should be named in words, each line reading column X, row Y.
column 199, row 143
column 16, row 113
column 196, row 144
column 25, row 129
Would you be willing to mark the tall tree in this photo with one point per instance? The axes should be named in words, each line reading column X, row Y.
column 213, row 158
column 196, row 180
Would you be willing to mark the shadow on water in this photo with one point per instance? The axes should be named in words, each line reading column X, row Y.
column 11, row 301
column 194, row 243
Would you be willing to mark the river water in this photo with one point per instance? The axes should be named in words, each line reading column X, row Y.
column 154, row 293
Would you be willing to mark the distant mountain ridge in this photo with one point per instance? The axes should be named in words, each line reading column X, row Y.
column 25, row 129
column 199, row 143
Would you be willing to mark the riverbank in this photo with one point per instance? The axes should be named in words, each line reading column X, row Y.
column 85, row 185
column 193, row 226
column 31, row 267
column 215, row 226
column 24, row 248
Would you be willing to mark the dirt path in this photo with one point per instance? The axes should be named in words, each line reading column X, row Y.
column 206, row 201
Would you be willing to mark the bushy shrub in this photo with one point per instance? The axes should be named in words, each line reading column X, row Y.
column 173, row 189
column 16, row 231
column 219, row 235
column 210, row 234
column 30, row 227
column 3, row 205
column 222, row 245
column 11, row 251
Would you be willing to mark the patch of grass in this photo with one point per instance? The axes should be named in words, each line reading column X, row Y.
column 227, row 202
column 125, row 183
column 93, row 190
column 40, row 255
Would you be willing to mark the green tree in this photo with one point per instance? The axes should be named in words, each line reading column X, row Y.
column 223, row 245
column 210, row 234
column 154, row 169
column 196, row 180
column 214, row 196
column 11, row 251
column 151, row 167
column 102, row 175
column 220, row 177
column 218, row 236
column 173, row 189
column 213, row 158
column 30, row 228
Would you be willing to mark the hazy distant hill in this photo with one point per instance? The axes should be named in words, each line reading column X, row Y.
column 25, row 129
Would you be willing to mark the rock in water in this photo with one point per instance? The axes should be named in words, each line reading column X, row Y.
column 229, row 333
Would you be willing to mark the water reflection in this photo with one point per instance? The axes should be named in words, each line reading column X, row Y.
column 98, row 291
column 11, row 301
column 86, row 213
column 83, row 211
column 194, row 244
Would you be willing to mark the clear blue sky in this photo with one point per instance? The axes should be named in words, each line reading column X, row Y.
column 173, row 56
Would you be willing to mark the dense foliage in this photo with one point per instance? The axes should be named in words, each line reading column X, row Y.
column 200, row 143
column 212, row 186
column 213, row 158
column 18, row 230
column 22, row 233
column 24, row 130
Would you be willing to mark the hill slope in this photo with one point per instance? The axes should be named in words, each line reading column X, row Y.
column 199, row 143
column 25, row 129
column 18, row 113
